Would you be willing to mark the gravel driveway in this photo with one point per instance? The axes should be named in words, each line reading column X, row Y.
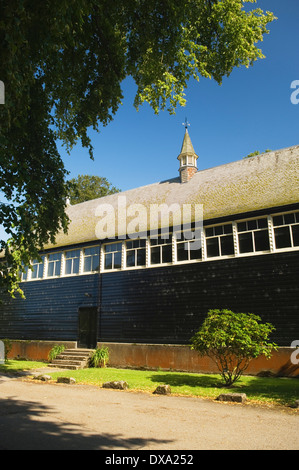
column 38, row 415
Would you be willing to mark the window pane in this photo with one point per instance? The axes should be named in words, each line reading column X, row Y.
column 262, row 223
column 242, row 227
column 141, row 257
column 261, row 240
column 131, row 258
column 166, row 254
column 57, row 268
column 295, row 232
column 212, row 247
column 182, row 251
column 218, row 230
column 251, row 224
column 227, row 245
column 228, row 228
column 76, row 265
column 51, row 269
column 117, row 260
column 195, row 249
column 245, row 242
column 68, row 266
column 87, row 264
column 95, row 262
column 155, row 255
column 278, row 220
column 282, row 237
column 209, row 232
column 108, row 261
column 289, row 218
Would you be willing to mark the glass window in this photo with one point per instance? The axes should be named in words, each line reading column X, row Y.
column 161, row 250
column 136, row 253
column 189, row 248
column 24, row 275
column 253, row 235
column 72, row 262
column 112, row 256
column 286, row 230
column 54, row 264
column 91, row 259
column 219, row 240
column 37, row 269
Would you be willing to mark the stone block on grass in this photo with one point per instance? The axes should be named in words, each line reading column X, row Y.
column 43, row 378
column 232, row 397
column 117, row 385
column 163, row 390
column 66, row 380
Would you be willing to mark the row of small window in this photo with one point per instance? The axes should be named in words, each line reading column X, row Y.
column 250, row 236
column 69, row 262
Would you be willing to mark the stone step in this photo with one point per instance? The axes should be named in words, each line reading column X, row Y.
column 65, row 366
column 69, row 361
column 73, row 359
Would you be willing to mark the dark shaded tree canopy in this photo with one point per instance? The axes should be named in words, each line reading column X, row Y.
column 63, row 63
column 87, row 187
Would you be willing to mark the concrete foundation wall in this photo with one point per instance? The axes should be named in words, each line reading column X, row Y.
column 160, row 356
column 182, row 358
column 35, row 350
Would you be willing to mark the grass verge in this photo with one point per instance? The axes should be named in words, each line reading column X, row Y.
column 266, row 390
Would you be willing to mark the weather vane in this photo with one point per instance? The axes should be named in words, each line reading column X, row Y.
column 186, row 123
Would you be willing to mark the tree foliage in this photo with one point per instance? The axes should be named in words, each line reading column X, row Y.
column 232, row 340
column 63, row 63
column 86, row 187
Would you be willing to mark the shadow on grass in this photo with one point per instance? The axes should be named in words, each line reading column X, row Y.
column 281, row 390
column 180, row 380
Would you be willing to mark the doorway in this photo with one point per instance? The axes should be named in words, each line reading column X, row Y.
column 87, row 335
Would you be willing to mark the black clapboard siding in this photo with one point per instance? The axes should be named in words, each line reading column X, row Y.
column 168, row 304
column 50, row 311
column 160, row 305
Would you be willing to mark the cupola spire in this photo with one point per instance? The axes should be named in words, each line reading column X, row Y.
column 187, row 157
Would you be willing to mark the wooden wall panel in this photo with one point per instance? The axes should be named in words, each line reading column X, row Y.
column 168, row 304
column 50, row 311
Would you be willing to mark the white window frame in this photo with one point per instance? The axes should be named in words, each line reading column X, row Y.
column 113, row 256
column 219, row 236
column 289, row 225
column 72, row 258
column 135, row 251
column 163, row 243
column 252, row 230
column 84, row 256
column 180, row 239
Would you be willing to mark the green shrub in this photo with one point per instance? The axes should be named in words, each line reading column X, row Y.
column 99, row 358
column 7, row 347
column 232, row 340
column 55, row 351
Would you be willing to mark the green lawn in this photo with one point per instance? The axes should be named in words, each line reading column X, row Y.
column 283, row 391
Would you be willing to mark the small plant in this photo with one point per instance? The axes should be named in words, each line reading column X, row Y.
column 99, row 358
column 55, row 351
column 7, row 347
column 232, row 340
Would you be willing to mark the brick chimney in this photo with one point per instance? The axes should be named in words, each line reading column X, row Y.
column 187, row 159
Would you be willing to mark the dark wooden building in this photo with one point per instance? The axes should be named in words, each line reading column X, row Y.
column 145, row 265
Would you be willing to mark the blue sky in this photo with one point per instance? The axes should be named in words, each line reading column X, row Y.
column 251, row 111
